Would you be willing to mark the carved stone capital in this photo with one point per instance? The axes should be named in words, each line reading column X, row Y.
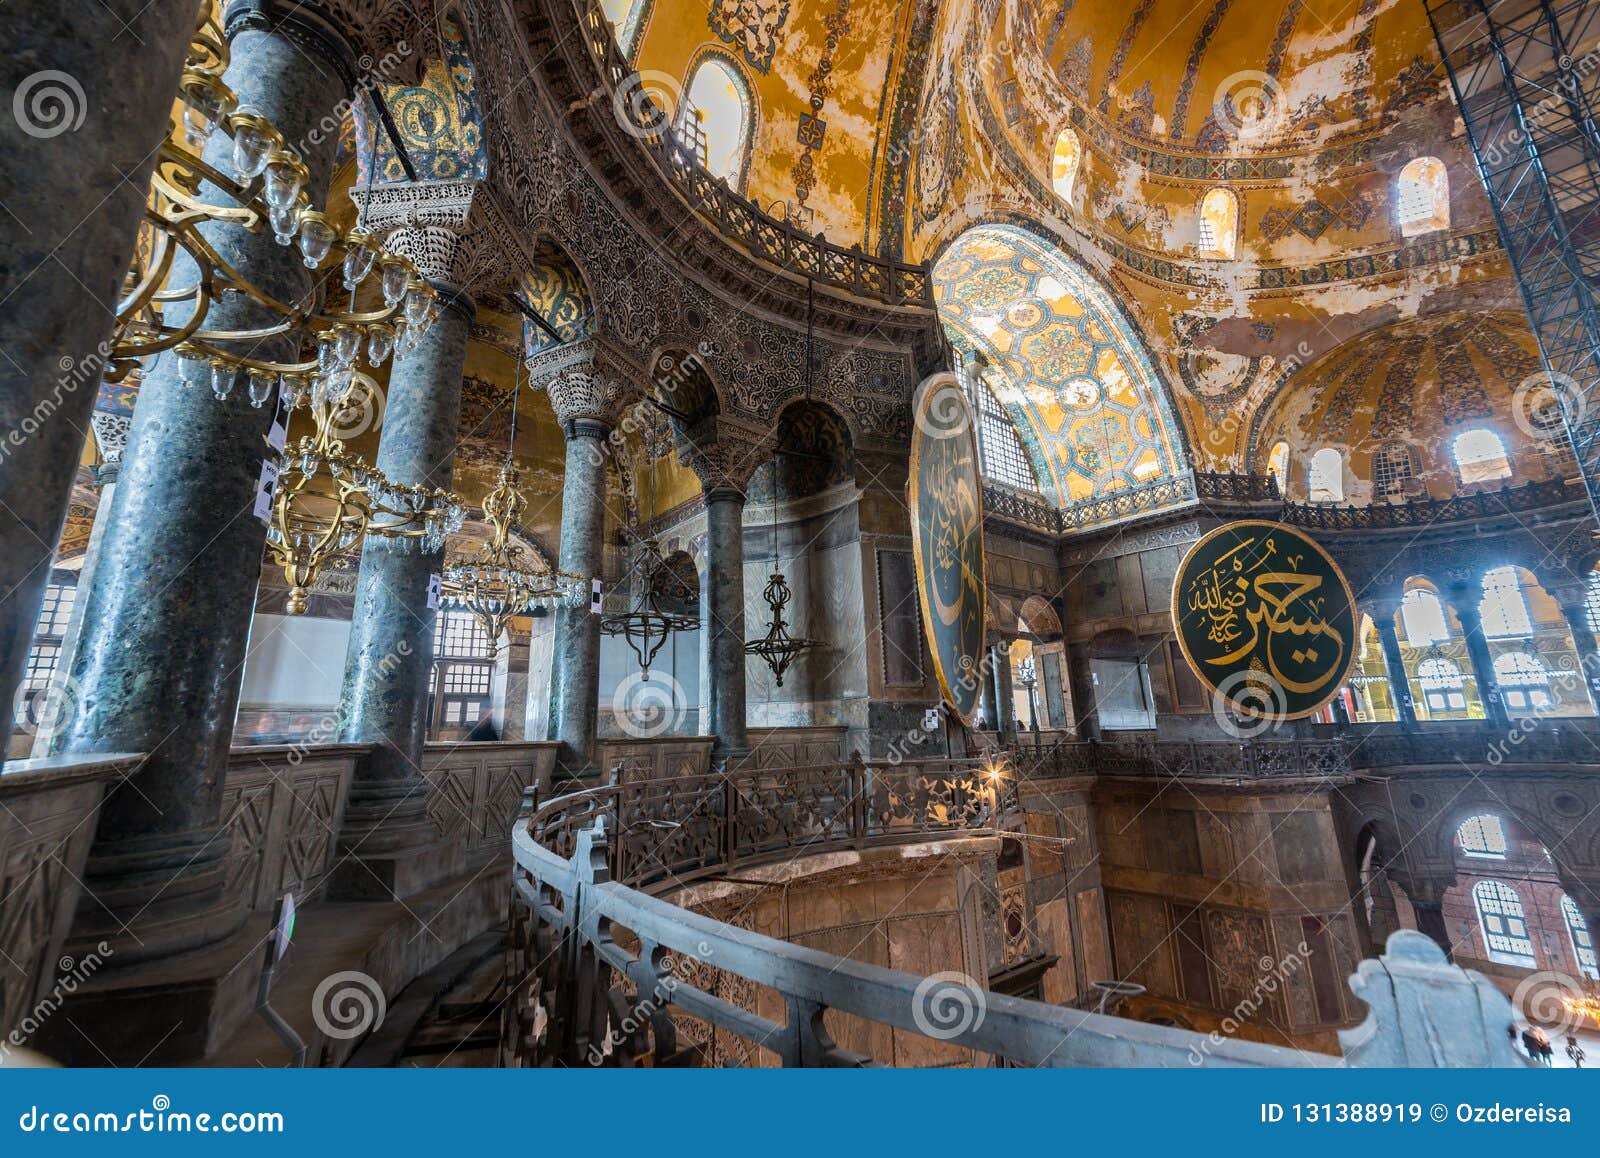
column 587, row 380
column 724, row 452
column 452, row 230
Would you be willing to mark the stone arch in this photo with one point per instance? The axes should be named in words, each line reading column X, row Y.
column 823, row 453
column 682, row 380
column 708, row 53
column 1038, row 616
column 557, row 288
column 440, row 118
column 1090, row 405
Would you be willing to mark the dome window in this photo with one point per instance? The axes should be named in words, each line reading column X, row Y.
column 1219, row 224
column 1064, row 164
column 1423, row 197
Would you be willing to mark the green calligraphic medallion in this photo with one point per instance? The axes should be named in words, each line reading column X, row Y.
column 947, row 523
column 1265, row 618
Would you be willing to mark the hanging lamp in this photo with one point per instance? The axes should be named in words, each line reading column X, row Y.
column 649, row 625
column 777, row 648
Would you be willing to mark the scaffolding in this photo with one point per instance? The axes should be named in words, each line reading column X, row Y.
column 1526, row 76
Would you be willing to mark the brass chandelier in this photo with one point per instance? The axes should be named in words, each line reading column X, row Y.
column 499, row 581
column 324, row 499
column 648, row 625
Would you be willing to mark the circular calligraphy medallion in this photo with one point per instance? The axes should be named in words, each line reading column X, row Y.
column 947, row 539
column 1265, row 619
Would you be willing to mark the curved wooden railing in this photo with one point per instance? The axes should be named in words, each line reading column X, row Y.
column 601, row 971
column 768, row 239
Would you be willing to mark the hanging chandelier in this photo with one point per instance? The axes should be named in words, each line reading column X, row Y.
column 778, row 649
column 327, row 500
column 500, row 581
column 323, row 499
column 264, row 190
column 649, row 625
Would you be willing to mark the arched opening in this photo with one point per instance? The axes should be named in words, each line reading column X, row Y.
column 555, row 289
column 1579, row 936
column 1482, row 836
column 1000, row 450
column 1503, row 923
column 1504, row 606
column 1065, row 365
column 1278, row 466
column 1422, row 197
column 800, row 521
column 716, row 119
column 1064, row 164
column 1219, row 224
column 1325, row 476
column 1480, row 456
column 1393, row 467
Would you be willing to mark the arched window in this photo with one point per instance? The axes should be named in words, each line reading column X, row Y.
column 1480, row 456
column 1591, row 601
column 1219, row 223
column 1504, row 607
column 1482, row 836
column 1278, row 466
column 1423, row 197
column 1422, row 617
column 1582, row 942
column 1505, row 928
column 714, row 119
column 1325, row 479
column 1523, row 680
column 625, row 18
column 1004, row 458
column 1443, row 688
column 1391, row 466
column 1064, row 164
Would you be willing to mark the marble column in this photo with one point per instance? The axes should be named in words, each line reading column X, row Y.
column 168, row 613
column 1394, row 665
column 511, row 683
column 1005, row 699
column 384, row 701
column 1465, row 605
column 991, row 719
column 724, row 456
column 587, row 381
column 93, row 85
column 1575, row 609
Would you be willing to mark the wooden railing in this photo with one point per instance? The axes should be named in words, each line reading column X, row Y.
column 586, row 992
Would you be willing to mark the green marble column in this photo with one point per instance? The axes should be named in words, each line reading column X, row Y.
column 94, row 83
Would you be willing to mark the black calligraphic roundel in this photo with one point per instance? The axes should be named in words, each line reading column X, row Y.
column 947, row 539
column 1265, row 618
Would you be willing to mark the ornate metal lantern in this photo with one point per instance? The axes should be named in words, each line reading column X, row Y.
column 778, row 648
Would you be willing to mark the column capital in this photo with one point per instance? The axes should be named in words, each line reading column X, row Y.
column 724, row 453
column 589, row 380
column 453, row 232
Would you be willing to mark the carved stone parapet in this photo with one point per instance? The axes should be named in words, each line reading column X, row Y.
column 724, row 452
column 590, row 380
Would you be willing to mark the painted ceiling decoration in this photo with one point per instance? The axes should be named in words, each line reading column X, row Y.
column 439, row 120
column 1070, row 370
column 752, row 27
column 1419, row 383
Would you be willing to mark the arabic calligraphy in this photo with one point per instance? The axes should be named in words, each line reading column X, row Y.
column 947, row 521
column 1262, row 598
